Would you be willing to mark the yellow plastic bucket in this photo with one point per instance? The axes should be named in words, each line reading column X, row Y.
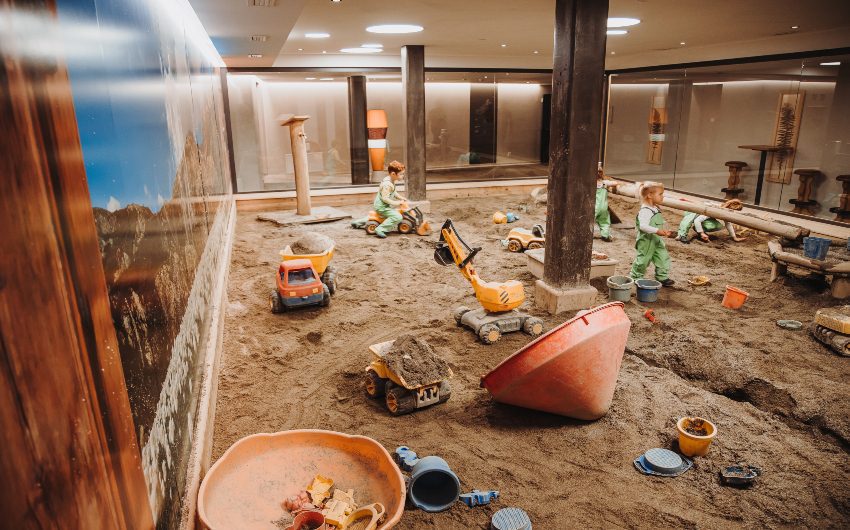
column 500, row 218
column 692, row 444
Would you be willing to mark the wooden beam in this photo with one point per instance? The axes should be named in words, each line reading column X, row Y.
column 413, row 110
column 577, row 90
column 70, row 457
column 357, row 129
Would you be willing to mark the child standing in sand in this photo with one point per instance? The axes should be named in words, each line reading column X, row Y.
column 649, row 245
column 603, row 218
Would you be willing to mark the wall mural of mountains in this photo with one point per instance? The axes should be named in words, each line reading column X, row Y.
column 148, row 102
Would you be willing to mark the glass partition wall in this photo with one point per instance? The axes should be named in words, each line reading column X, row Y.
column 479, row 125
column 775, row 134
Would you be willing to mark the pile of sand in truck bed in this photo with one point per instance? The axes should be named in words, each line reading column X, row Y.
column 312, row 243
column 415, row 361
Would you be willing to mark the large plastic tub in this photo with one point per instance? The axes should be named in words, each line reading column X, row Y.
column 571, row 370
column 245, row 487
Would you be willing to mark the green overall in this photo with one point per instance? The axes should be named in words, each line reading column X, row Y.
column 392, row 216
column 651, row 248
column 709, row 225
column 603, row 218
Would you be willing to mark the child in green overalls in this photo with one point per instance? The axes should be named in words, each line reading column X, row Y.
column 603, row 218
column 388, row 200
column 703, row 224
column 649, row 245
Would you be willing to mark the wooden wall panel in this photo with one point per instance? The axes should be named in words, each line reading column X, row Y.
column 69, row 457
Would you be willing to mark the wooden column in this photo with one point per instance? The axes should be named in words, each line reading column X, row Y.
column 69, row 455
column 298, row 139
column 413, row 110
column 357, row 129
column 577, row 90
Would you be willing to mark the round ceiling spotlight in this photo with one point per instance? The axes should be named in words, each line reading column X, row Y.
column 361, row 50
column 395, row 28
column 381, row 46
column 317, row 35
column 621, row 22
column 616, row 32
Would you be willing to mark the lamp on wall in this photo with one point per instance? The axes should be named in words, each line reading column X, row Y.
column 376, row 123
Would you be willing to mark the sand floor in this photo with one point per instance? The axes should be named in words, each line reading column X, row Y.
column 778, row 398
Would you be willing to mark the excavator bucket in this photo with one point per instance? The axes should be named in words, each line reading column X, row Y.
column 424, row 228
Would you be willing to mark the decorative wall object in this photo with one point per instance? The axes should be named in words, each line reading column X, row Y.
column 148, row 102
column 376, row 123
column 657, row 125
column 788, row 116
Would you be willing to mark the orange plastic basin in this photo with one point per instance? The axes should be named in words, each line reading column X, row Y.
column 571, row 370
column 245, row 488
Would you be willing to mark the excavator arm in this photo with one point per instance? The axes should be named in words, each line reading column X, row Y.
column 493, row 297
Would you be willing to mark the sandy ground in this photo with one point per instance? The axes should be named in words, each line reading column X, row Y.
column 779, row 399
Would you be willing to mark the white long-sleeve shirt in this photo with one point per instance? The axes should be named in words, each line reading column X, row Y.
column 644, row 216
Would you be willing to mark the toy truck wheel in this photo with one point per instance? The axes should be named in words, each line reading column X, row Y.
column 533, row 326
column 326, row 296
column 375, row 386
column 445, row 391
column 330, row 281
column 459, row 312
column 405, row 227
column 514, row 245
column 535, row 244
column 489, row 333
column 371, row 226
column 275, row 303
column 400, row 401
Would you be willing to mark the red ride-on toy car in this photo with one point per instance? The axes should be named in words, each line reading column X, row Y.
column 298, row 285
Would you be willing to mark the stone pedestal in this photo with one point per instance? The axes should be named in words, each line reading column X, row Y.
column 555, row 300
column 804, row 204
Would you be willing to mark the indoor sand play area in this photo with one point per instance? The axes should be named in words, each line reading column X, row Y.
column 777, row 397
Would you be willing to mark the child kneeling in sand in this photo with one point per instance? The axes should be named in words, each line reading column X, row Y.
column 602, row 217
column 703, row 224
column 649, row 245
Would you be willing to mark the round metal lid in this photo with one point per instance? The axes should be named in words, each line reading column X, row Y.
column 663, row 460
column 510, row 519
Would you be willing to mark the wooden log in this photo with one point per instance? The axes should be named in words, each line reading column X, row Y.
column 778, row 228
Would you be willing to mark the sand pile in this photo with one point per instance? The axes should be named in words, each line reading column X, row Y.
column 312, row 243
column 415, row 361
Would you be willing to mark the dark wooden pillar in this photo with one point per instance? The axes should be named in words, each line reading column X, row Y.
column 69, row 455
column 413, row 110
column 577, row 86
column 357, row 129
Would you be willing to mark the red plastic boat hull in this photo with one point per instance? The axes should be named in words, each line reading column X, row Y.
column 571, row 370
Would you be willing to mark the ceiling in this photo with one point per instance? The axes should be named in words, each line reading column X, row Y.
column 469, row 33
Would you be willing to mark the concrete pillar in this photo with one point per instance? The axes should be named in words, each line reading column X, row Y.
column 357, row 129
column 413, row 111
column 577, row 88
column 299, row 160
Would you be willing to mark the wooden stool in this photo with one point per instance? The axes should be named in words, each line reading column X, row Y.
column 733, row 190
column 803, row 203
column 842, row 211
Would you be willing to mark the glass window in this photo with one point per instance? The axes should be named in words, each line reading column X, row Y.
column 300, row 277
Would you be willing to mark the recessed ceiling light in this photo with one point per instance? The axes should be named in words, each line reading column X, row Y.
column 371, row 45
column 616, row 32
column 620, row 22
column 255, row 55
column 795, row 27
column 527, row 82
column 536, row 52
column 395, row 28
column 833, row 63
column 300, row 49
column 324, row 51
column 361, row 50
column 317, row 35
column 310, row 78
column 326, row 79
column 485, row 77
column 503, row 45
column 613, row 53
column 682, row 43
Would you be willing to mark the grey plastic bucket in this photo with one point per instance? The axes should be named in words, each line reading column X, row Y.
column 647, row 290
column 620, row 288
column 433, row 486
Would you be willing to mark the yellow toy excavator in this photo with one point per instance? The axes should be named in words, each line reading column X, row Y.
column 498, row 301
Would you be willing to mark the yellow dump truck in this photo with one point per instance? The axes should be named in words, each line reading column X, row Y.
column 321, row 262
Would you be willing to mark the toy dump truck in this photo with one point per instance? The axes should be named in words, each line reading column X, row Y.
column 400, row 394
column 520, row 239
column 321, row 263
column 298, row 285
column 832, row 328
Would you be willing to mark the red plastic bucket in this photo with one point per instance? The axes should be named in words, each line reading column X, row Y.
column 734, row 298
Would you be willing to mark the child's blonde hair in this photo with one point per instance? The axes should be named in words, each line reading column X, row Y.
column 645, row 187
column 733, row 204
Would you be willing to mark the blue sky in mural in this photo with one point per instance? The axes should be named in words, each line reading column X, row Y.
column 120, row 101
